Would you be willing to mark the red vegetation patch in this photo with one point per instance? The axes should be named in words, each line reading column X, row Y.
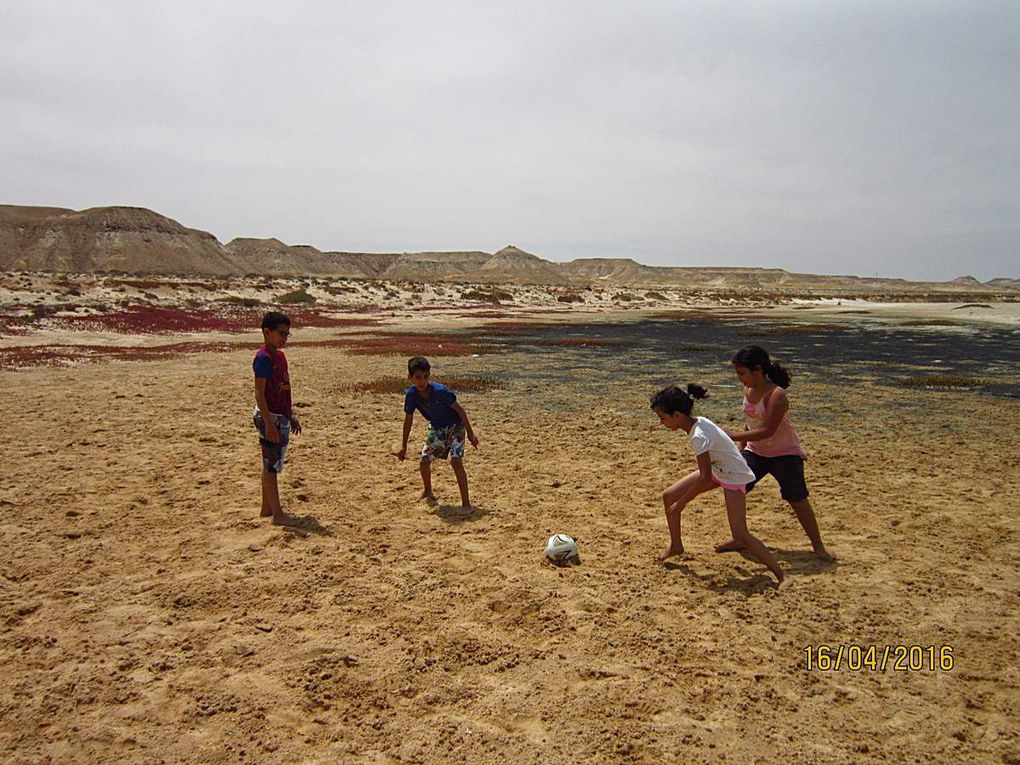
column 149, row 320
column 313, row 319
column 67, row 355
column 156, row 320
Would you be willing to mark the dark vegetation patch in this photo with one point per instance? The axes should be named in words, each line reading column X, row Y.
column 577, row 342
column 794, row 329
column 247, row 302
column 494, row 296
column 949, row 382
column 570, row 297
column 405, row 344
column 458, row 383
column 297, row 296
column 932, row 323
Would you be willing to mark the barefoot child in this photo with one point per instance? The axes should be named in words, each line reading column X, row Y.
column 772, row 445
column 719, row 464
column 273, row 417
column 448, row 423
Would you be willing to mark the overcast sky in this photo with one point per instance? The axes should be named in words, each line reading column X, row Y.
column 828, row 137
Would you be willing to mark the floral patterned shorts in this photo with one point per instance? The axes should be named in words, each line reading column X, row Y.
column 441, row 443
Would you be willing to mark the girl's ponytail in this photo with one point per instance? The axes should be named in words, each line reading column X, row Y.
column 777, row 374
column 696, row 392
column 673, row 399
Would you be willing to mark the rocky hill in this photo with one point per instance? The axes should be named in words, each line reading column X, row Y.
column 106, row 239
column 137, row 240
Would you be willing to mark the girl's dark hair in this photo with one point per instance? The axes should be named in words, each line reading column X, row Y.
column 672, row 399
column 754, row 356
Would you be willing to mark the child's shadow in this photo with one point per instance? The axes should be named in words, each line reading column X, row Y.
column 307, row 525
column 747, row 583
column 802, row 561
column 686, row 570
column 457, row 514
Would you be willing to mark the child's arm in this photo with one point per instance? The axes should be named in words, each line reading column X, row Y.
column 272, row 434
column 705, row 467
column 776, row 406
column 408, row 419
column 467, row 424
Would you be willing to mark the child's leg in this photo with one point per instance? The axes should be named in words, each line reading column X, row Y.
column 267, row 508
column 425, row 466
column 806, row 516
column 674, row 500
column 270, row 494
column 462, row 483
column 736, row 513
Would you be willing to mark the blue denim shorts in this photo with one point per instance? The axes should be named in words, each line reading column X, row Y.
column 272, row 454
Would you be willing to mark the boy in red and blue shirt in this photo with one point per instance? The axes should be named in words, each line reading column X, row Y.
column 273, row 416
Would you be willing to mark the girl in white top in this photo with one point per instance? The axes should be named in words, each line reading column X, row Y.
column 720, row 464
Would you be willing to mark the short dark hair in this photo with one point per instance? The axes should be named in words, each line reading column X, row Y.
column 672, row 400
column 274, row 319
column 418, row 363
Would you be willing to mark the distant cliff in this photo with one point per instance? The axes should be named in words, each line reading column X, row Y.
column 137, row 240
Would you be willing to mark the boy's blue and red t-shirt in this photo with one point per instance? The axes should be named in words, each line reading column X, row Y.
column 271, row 365
column 437, row 408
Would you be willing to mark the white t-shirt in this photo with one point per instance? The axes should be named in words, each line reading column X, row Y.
column 728, row 465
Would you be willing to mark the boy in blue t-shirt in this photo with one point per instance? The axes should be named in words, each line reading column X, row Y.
column 448, row 424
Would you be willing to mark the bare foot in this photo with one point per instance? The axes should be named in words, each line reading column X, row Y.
column 283, row 519
column 785, row 583
column 266, row 512
column 731, row 545
column 429, row 497
column 824, row 554
column 671, row 551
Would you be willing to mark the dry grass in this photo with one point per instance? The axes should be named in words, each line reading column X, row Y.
column 949, row 382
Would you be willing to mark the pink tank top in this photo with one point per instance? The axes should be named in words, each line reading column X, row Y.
column 782, row 443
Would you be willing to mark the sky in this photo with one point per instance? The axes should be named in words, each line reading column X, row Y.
column 869, row 138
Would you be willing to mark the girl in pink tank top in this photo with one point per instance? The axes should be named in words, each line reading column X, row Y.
column 769, row 441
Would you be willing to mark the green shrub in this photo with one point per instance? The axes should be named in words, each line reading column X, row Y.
column 297, row 296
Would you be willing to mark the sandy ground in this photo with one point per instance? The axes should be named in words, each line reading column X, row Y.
column 148, row 615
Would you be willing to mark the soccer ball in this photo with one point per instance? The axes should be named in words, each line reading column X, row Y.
column 560, row 548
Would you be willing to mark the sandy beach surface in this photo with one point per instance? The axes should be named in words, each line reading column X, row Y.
column 149, row 615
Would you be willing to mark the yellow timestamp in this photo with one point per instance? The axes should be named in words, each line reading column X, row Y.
column 879, row 658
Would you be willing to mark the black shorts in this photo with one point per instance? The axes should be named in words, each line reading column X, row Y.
column 788, row 471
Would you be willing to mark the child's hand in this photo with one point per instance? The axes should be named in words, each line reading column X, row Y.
column 295, row 426
column 272, row 433
column 401, row 454
column 473, row 439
